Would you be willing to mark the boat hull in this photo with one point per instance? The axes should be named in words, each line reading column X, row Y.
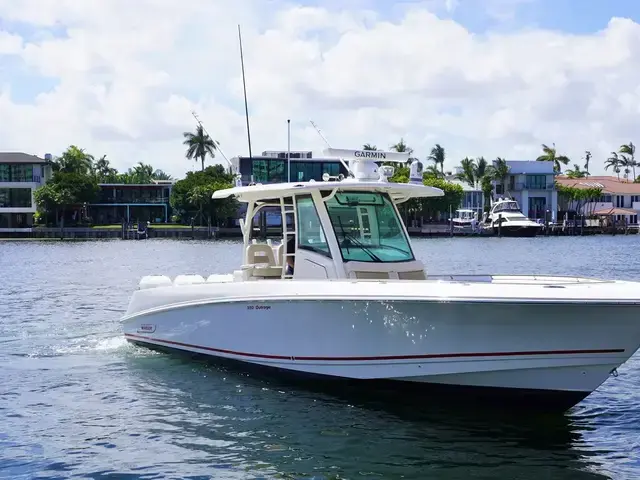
column 393, row 389
column 561, row 351
column 518, row 231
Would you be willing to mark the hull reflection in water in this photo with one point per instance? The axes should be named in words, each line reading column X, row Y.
column 296, row 428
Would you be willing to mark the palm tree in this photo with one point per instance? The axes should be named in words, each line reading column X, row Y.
column 499, row 172
column 402, row 147
column 104, row 171
column 587, row 158
column 614, row 161
column 160, row 175
column 467, row 171
column 550, row 154
column 576, row 172
column 368, row 146
column 437, row 156
column 480, row 170
column 199, row 145
column 74, row 160
column 629, row 151
column 432, row 172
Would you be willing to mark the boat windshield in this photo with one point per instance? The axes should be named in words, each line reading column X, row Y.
column 367, row 228
column 507, row 207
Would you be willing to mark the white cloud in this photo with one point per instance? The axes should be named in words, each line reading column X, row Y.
column 128, row 74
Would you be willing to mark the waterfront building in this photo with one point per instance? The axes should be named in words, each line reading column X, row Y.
column 620, row 199
column 20, row 175
column 472, row 198
column 531, row 184
column 272, row 167
column 132, row 202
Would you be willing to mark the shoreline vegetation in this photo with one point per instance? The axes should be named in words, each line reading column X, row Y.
column 62, row 203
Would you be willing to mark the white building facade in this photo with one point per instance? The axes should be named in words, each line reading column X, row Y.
column 20, row 175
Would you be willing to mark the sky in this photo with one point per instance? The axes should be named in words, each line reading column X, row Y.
column 492, row 78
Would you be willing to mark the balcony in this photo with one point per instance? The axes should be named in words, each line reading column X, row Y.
column 21, row 179
column 131, row 201
column 533, row 186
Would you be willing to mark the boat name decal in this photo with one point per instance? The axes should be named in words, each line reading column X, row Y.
column 146, row 328
column 258, row 307
column 370, row 154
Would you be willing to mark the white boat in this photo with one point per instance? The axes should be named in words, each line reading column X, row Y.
column 506, row 212
column 360, row 306
column 463, row 219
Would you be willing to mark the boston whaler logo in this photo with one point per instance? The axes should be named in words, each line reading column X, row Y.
column 146, row 328
column 369, row 154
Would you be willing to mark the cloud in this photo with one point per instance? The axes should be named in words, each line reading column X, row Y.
column 121, row 78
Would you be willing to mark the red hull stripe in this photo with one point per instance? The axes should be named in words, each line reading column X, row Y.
column 381, row 357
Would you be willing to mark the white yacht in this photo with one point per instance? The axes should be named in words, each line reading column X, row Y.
column 359, row 306
column 506, row 218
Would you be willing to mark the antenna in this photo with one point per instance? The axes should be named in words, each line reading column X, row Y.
column 349, row 172
column 320, row 133
column 289, row 150
column 195, row 115
column 244, row 85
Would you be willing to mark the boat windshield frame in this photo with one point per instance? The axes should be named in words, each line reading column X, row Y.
column 361, row 222
column 507, row 206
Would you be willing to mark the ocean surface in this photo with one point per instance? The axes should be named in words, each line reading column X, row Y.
column 76, row 401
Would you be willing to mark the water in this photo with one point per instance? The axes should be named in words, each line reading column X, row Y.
column 76, row 401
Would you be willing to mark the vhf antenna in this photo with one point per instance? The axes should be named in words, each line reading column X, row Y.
column 195, row 115
column 320, row 133
column 244, row 86
column 349, row 172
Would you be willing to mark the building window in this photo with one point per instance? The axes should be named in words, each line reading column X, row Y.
column 537, row 207
column 16, row 173
column 305, row 171
column 310, row 233
column 15, row 198
column 536, row 182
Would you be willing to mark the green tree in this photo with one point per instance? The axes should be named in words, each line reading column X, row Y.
column 191, row 196
column 402, row 147
column 66, row 190
column 550, row 154
column 199, row 145
column 576, row 172
column 628, row 152
column 614, row 162
column 74, row 160
column 467, row 172
column 569, row 196
column 453, row 194
column 105, row 173
column 437, row 156
column 452, row 198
